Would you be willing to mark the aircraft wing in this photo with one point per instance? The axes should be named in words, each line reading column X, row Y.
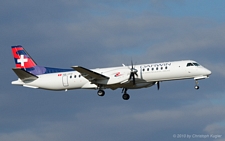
column 90, row 75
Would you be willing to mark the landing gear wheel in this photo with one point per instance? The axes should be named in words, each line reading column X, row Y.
column 196, row 87
column 126, row 96
column 101, row 92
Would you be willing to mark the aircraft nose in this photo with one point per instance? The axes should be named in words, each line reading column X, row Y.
column 208, row 72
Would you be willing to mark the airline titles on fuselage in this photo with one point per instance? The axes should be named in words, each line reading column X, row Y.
column 157, row 66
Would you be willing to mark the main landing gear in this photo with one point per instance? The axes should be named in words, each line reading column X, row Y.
column 101, row 92
column 125, row 95
column 124, row 91
column 196, row 85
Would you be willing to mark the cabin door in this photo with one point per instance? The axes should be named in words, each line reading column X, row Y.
column 65, row 80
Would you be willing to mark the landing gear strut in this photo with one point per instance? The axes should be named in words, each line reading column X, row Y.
column 196, row 85
column 125, row 95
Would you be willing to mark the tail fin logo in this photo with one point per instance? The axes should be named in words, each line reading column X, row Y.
column 22, row 58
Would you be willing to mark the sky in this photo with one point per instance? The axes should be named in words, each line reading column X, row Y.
column 94, row 34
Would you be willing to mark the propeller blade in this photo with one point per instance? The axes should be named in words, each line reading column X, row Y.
column 133, row 72
column 132, row 66
column 134, row 80
column 136, row 74
column 132, row 77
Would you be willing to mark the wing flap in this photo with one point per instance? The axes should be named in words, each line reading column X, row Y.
column 24, row 75
column 89, row 74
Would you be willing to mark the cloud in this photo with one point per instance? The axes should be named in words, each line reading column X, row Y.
column 215, row 128
column 112, row 121
column 21, row 135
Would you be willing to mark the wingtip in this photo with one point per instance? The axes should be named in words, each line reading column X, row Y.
column 73, row 67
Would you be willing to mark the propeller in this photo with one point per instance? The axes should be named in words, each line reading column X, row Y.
column 133, row 72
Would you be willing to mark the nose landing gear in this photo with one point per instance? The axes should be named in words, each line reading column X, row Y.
column 196, row 85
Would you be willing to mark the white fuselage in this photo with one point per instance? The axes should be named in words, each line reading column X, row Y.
column 147, row 75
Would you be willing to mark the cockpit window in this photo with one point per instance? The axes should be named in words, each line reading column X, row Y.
column 192, row 64
column 189, row 64
column 196, row 64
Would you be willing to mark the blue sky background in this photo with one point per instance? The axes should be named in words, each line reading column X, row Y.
column 63, row 33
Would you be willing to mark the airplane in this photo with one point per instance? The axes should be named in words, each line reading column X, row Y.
column 125, row 77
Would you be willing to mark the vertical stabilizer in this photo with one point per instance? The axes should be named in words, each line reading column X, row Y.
column 22, row 59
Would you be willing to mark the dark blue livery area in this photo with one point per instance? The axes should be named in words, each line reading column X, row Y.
column 37, row 70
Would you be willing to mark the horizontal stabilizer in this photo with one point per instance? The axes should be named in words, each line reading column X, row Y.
column 89, row 74
column 24, row 75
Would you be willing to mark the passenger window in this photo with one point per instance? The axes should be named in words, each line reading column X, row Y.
column 147, row 69
column 143, row 69
column 152, row 69
column 165, row 67
column 74, row 76
column 156, row 68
